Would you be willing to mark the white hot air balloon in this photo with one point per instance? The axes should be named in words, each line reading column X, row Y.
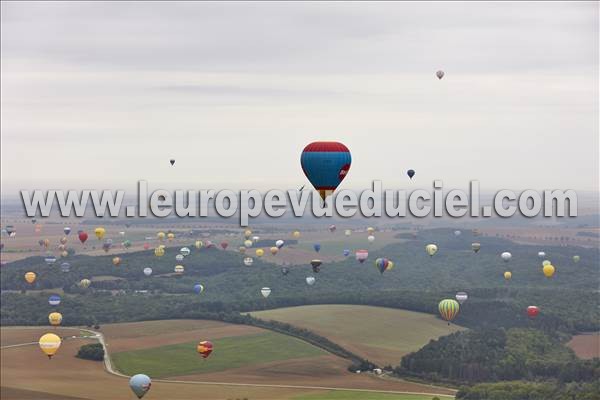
column 461, row 297
column 147, row 271
column 265, row 292
column 248, row 261
column 541, row 254
column 506, row 256
column 279, row 243
column 310, row 280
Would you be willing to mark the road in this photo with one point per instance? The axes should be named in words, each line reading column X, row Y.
column 109, row 369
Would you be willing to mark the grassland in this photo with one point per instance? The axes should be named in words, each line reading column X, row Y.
column 229, row 352
column 380, row 334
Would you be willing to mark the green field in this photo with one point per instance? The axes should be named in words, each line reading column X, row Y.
column 228, row 353
column 359, row 395
column 380, row 334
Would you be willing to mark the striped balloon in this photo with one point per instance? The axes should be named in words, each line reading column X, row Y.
column 325, row 164
column 448, row 309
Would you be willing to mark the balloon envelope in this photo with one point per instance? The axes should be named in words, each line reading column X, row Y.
column 310, row 280
column 361, row 255
column 461, row 297
column 49, row 344
column 198, row 288
column 54, row 300
column 448, row 309
column 410, row 173
column 265, row 292
column 147, row 271
column 204, row 348
column 533, row 311
column 140, row 384
column 440, row 74
column 325, row 164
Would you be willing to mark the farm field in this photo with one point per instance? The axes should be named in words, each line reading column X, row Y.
column 25, row 372
column 382, row 335
column 586, row 346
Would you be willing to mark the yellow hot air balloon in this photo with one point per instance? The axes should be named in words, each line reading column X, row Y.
column 296, row 234
column 170, row 236
column 248, row 243
column 46, row 243
column 260, row 252
column 64, row 254
column 548, row 270
column 370, row 230
column 160, row 235
column 507, row 275
column 85, row 283
column 55, row 318
column 247, row 233
column 116, row 261
column 159, row 251
column 49, row 343
column 30, row 277
column 274, row 250
column 198, row 244
column 431, row 249
column 63, row 240
column 100, row 232
column 179, row 269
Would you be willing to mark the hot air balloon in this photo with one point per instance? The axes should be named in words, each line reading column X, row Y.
column 532, row 311
column 546, row 262
column 159, row 251
column 296, row 235
column 204, row 348
column 63, row 240
column 179, row 269
column 248, row 243
column 370, row 230
column 224, row 245
column 122, row 233
column 49, row 343
column 285, row 270
column 461, row 297
column 440, row 74
column 274, row 250
column 50, row 260
column 100, row 232
column 317, row 247
column 107, row 245
column 116, row 261
column 475, row 247
column 347, row 232
column 161, row 236
column 140, row 384
column 548, row 270
column 147, row 271
column 410, row 173
column 146, row 246
column 62, row 247
column 55, row 318
column 332, row 228
column 242, row 249
column 576, row 259
column 248, row 261
column 65, row 267
column 54, row 300
column 310, row 280
column 265, row 292
column 506, row 256
column 279, row 243
column 64, row 254
column 316, row 265
column 346, row 252
column 448, row 309
column 83, row 236
column 30, row 277
column 247, row 233
column 541, row 254
column 431, row 249
column 259, row 252
column 170, row 236
column 325, row 164
column 371, row 238
column 179, row 257
column 198, row 244
column 185, row 251
column 126, row 244
column 457, row 233
column 507, row 275
column 383, row 264
column 67, row 230
column 46, row 243
column 361, row 255
column 198, row 288
column 85, row 283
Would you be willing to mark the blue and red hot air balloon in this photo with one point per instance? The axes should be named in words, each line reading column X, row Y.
column 325, row 164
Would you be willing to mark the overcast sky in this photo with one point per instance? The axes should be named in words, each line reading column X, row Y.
column 100, row 95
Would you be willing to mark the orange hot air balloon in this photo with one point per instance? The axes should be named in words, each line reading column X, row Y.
column 204, row 348
column 116, row 261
